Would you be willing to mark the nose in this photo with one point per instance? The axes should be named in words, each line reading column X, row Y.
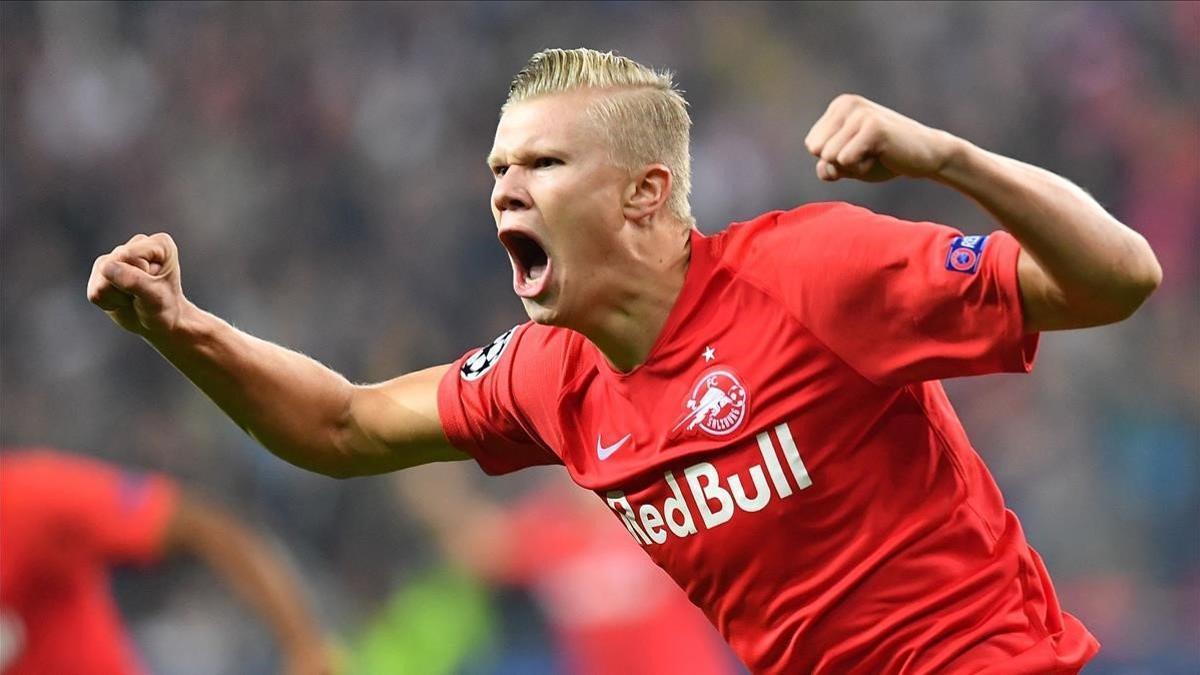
column 508, row 194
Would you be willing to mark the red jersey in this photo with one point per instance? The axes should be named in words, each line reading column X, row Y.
column 613, row 614
column 64, row 522
column 786, row 452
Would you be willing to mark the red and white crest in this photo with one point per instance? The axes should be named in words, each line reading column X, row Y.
column 716, row 405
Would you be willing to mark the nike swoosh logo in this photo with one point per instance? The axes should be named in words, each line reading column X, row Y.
column 604, row 452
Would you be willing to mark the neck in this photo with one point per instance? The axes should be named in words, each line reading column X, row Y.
column 643, row 290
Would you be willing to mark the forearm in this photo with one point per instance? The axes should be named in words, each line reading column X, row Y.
column 290, row 403
column 1098, row 265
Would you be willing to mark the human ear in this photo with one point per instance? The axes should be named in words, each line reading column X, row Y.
column 647, row 192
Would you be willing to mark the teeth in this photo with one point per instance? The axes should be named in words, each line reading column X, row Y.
column 536, row 272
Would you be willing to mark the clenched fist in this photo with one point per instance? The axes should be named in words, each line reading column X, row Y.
column 138, row 285
column 858, row 138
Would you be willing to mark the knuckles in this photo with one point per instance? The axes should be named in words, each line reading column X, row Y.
column 848, row 100
column 857, row 109
column 167, row 242
column 853, row 110
column 154, row 248
column 118, row 269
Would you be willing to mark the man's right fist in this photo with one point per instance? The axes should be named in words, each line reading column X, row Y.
column 138, row 285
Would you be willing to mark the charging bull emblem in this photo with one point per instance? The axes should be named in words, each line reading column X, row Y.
column 717, row 404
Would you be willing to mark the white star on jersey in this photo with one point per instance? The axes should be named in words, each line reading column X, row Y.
column 709, row 354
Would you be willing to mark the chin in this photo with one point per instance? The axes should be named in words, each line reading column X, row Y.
column 542, row 314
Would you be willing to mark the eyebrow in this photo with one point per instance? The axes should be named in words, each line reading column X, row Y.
column 529, row 153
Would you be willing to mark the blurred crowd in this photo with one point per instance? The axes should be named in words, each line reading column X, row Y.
column 321, row 166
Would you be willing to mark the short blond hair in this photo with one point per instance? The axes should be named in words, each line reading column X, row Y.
column 644, row 116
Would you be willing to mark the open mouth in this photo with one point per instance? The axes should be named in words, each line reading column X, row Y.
column 531, row 263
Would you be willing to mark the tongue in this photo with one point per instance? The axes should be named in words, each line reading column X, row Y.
column 533, row 282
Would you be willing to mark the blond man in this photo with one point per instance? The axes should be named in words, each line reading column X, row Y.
column 760, row 408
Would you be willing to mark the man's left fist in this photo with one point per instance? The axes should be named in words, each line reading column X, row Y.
column 857, row 138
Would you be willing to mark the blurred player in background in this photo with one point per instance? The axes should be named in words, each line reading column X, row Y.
column 761, row 407
column 65, row 523
column 612, row 614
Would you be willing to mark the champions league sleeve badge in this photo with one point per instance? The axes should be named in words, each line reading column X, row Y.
column 477, row 364
column 964, row 254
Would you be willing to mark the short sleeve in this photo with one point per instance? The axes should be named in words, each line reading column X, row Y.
column 900, row 301
column 496, row 403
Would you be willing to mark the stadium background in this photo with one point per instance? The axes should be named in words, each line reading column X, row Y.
column 321, row 167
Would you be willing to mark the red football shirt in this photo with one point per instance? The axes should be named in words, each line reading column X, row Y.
column 64, row 522
column 786, row 452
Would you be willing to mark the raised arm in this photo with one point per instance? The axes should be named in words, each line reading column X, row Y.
column 299, row 409
column 1079, row 266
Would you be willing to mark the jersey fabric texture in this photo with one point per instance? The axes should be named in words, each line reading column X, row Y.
column 792, row 460
column 64, row 523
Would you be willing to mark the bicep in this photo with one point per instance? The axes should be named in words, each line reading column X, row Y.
column 395, row 424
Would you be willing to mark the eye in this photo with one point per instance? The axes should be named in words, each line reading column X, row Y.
column 499, row 170
column 543, row 162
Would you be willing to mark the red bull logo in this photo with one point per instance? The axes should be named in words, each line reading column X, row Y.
column 715, row 497
column 717, row 404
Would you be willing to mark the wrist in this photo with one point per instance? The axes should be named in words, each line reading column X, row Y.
column 192, row 325
column 957, row 159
